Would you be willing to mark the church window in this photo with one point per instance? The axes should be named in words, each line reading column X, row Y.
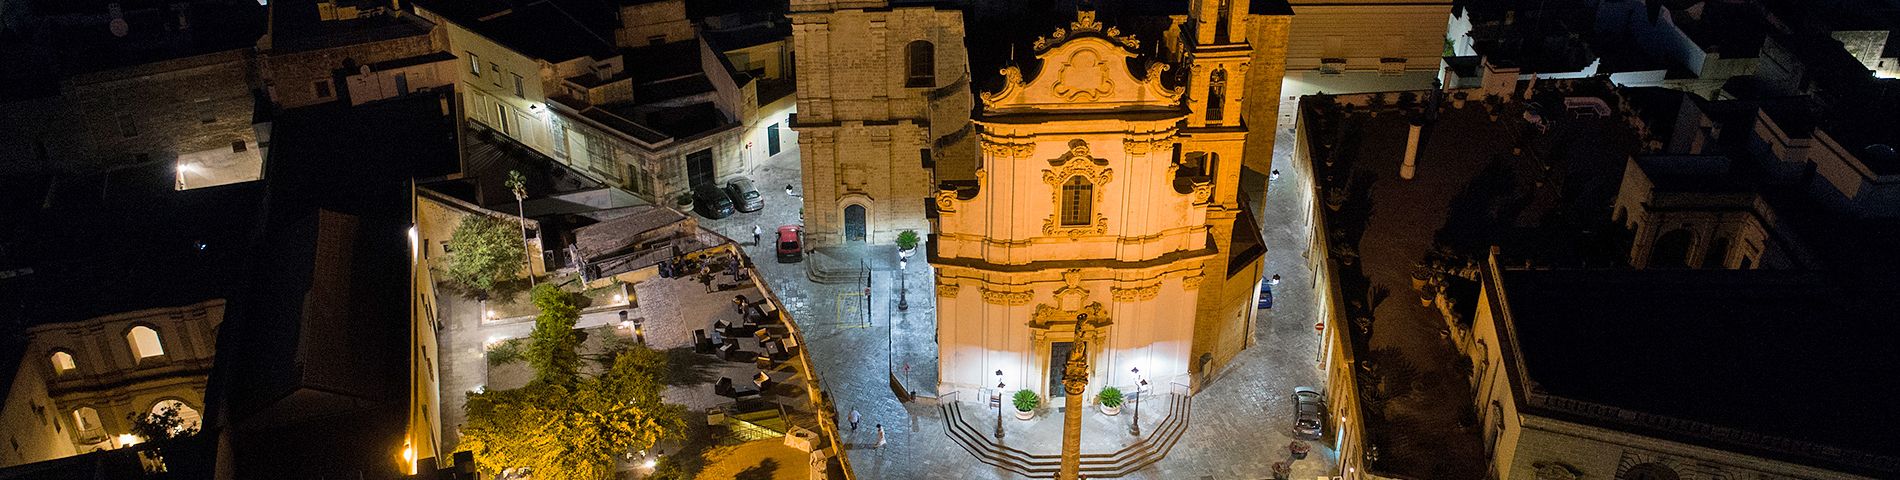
column 144, row 342
column 1216, row 95
column 1220, row 25
column 923, row 64
column 63, row 362
column 1078, row 202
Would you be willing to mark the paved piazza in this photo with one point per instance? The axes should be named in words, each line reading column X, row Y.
column 1241, row 422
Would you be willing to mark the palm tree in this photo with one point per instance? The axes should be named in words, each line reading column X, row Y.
column 518, row 184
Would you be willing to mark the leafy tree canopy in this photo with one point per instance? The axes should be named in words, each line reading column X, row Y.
column 576, row 433
column 484, row 250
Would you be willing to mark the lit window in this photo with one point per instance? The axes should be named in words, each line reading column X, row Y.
column 144, row 342
column 86, row 419
column 1078, row 202
column 519, row 91
column 474, row 64
column 63, row 362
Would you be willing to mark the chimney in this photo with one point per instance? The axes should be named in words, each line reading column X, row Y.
column 1411, row 149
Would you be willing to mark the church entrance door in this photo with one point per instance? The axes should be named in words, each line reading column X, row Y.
column 854, row 223
column 1058, row 358
column 699, row 168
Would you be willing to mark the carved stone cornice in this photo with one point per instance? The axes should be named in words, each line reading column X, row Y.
column 1005, row 298
column 1203, row 191
column 998, row 149
column 1085, row 23
column 946, row 200
column 1193, row 282
column 1049, row 317
column 1144, row 146
column 1135, row 294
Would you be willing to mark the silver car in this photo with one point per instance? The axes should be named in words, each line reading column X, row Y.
column 1309, row 413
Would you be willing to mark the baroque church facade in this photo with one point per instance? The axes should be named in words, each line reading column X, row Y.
column 1100, row 184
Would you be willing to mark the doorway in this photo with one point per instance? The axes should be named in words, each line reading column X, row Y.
column 402, row 84
column 854, row 223
column 1058, row 358
column 771, row 140
column 699, row 168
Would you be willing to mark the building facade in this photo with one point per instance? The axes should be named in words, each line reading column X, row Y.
column 1362, row 46
column 1105, row 196
column 883, row 91
column 78, row 383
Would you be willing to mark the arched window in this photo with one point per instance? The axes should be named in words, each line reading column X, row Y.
column 86, row 420
column 923, row 64
column 63, row 362
column 188, row 418
column 144, row 342
column 1671, row 250
column 1216, row 94
column 1650, row 471
column 1078, row 202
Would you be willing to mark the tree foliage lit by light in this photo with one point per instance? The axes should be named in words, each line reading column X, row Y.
column 566, row 425
column 482, row 252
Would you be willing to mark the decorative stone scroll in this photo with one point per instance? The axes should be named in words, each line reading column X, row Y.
column 1193, row 281
column 1135, row 294
column 1005, row 298
column 998, row 149
column 946, row 289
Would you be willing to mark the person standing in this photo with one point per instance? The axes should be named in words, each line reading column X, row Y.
column 854, row 419
column 756, row 233
column 880, row 436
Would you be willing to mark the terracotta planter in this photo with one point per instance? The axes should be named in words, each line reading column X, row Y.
column 1111, row 411
column 1022, row 415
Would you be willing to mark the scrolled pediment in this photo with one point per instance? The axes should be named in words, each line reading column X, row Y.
column 1083, row 67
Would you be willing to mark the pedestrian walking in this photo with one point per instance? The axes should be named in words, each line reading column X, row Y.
column 880, row 435
column 1275, row 280
column 1274, row 176
column 755, row 234
column 738, row 305
column 707, row 280
column 854, row 419
column 788, row 191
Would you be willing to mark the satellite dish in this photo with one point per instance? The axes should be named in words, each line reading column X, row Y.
column 362, row 69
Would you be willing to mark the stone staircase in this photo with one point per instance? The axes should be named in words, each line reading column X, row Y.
column 1143, row 452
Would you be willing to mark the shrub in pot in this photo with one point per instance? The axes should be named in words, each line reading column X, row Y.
column 1026, row 402
column 907, row 240
column 1111, row 400
column 1298, row 449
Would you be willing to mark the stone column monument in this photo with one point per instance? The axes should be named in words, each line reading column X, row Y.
column 1075, row 380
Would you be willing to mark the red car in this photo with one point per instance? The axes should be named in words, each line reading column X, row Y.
column 791, row 244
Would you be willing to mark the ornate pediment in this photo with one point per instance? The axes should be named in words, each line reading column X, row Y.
column 1084, row 67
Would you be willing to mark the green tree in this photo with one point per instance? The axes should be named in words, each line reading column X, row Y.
column 159, row 428
column 564, row 425
column 552, row 343
column 483, row 252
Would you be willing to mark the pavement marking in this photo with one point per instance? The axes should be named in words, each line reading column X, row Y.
column 850, row 310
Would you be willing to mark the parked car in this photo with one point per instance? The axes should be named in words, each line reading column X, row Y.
column 1266, row 295
column 744, row 197
column 711, row 202
column 1309, row 413
column 791, row 244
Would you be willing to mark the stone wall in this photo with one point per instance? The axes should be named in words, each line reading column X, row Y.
column 291, row 77
column 153, row 112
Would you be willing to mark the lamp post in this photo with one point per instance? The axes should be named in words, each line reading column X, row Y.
column 903, row 303
column 999, row 404
column 1135, row 429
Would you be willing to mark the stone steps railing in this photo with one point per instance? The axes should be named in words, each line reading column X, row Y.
column 1134, row 457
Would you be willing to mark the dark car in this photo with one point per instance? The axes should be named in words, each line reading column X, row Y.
column 709, row 201
column 744, row 197
column 1266, row 295
column 791, row 244
column 1309, row 413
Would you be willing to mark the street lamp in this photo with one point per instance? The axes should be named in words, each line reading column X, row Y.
column 1141, row 384
column 998, row 400
column 903, row 303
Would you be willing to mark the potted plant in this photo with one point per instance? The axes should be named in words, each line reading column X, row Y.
column 1298, row 449
column 1281, row 470
column 685, row 199
column 1026, row 402
column 1111, row 400
column 907, row 243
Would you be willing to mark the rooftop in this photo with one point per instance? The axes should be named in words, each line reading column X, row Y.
column 550, row 30
column 296, row 25
column 1770, row 352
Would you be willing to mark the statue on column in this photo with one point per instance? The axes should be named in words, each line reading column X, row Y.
column 1075, row 381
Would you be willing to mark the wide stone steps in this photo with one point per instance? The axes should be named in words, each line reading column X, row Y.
column 1143, row 452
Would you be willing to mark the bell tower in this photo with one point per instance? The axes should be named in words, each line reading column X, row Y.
column 1212, row 149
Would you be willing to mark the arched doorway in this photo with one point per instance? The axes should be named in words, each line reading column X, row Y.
column 854, row 223
column 188, row 418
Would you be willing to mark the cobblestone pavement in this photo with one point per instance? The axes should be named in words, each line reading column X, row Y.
column 1241, row 421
